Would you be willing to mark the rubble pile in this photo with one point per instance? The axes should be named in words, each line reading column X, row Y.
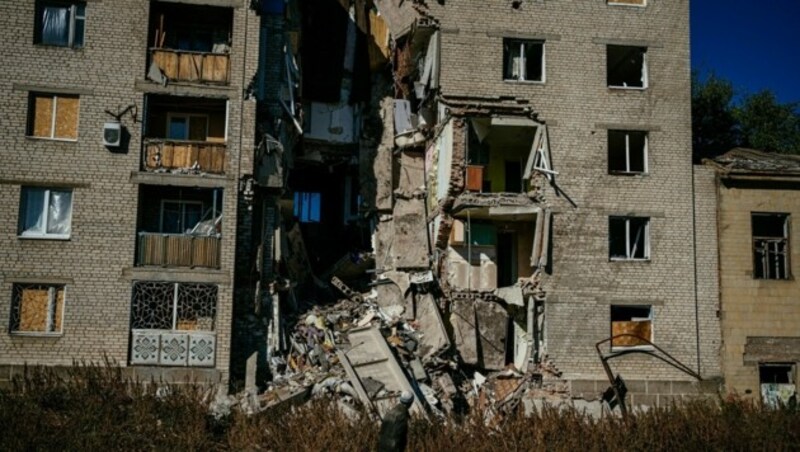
column 366, row 354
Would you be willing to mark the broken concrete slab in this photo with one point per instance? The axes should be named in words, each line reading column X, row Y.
column 434, row 336
column 479, row 330
column 410, row 248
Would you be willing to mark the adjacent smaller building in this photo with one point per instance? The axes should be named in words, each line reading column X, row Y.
column 758, row 207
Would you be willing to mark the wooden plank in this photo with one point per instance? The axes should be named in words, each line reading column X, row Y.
column 42, row 115
column 641, row 329
column 33, row 309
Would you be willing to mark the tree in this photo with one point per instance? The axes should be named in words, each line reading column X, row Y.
column 768, row 125
column 757, row 121
column 714, row 125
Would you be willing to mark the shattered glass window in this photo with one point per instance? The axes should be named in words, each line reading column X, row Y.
column 770, row 246
column 629, row 238
column 523, row 60
column 626, row 66
column 627, row 152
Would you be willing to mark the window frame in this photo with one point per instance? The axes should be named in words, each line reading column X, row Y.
column 188, row 117
column 786, row 239
column 645, row 69
column 182, row 203
column 645, row 153
column 629, row 251
column 30, row 127
column 522, row 78
column 650, row 318
column 45, row 212
column 74, row 18
column 16, row 300
column 174, row 307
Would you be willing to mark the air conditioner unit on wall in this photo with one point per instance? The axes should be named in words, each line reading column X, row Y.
column 112, row 134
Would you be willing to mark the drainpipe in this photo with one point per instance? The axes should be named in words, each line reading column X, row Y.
column 696, row 290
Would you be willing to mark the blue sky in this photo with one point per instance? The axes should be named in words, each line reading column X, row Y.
column 756, row 45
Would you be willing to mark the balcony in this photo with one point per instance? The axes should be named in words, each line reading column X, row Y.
column 190, row 43
column 161, row 154
column 173, row 324
column 192, row 66
column 185, row 135
column 179, row 227
column 179, row 250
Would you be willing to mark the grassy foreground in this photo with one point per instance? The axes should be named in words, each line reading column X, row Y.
column 94, row 408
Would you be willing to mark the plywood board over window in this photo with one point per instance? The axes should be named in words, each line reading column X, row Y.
column 628, row 2
column 38, row 308
column 53, row 116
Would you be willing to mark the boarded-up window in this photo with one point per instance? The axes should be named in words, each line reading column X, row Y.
column 53, row 116
column 630, row 325
column 37, row 308
column 628, row 2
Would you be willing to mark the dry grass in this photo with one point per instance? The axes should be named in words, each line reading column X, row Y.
column 94, row 408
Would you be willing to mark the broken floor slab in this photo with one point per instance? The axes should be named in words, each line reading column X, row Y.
column 434, row 336
column 479, row 331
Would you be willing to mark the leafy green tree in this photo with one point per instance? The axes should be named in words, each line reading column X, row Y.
column 715, row 128
column 768, row 125
column 757, row 121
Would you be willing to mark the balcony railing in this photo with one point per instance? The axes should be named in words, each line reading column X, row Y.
column 189, row 66
column 179, row 250
column 171, row 155
column 173, row 348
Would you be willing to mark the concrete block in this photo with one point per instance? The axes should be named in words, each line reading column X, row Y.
column 479, row 330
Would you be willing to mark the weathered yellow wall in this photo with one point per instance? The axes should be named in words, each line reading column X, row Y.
column 754, row 307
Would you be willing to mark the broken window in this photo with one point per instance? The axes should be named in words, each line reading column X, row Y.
column 523, row 60
column 778, row 383
column 627, row 66
column 187, row 127
column 53, row 116
column 627, row 152
column 37, row 308
column 307, row 207
column 634, row 325
column 45, row 213
column 60, row 23
column 629, row 238
column 770, row 246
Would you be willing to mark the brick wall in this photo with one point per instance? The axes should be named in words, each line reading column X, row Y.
column 97, row 261
column 579, row 109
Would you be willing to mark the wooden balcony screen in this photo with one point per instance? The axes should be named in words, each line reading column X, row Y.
column 179, row 154
column 178, row 250
column 188, row 66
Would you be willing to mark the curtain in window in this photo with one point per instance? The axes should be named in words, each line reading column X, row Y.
column 32, row 209
column 513, row 69
column 55, row 25
column 59, row 212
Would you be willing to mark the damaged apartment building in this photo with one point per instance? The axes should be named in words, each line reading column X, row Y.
column 494, row 189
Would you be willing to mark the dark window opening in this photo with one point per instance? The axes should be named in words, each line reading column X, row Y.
column 627, row 152
column 523, row 60
column 776, row 373
column 513, row 173
column 627, row 66
column 770, row 246
column 629, row 238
